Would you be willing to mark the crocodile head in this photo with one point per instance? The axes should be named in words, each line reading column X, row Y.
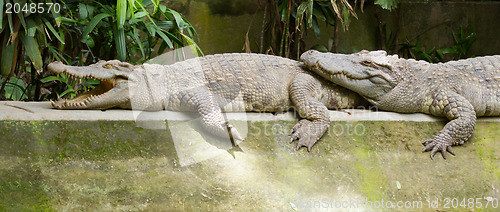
column 113, row 90
column 366, row 73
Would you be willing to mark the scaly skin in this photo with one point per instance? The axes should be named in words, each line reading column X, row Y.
column 214, row 84
column 458, row 90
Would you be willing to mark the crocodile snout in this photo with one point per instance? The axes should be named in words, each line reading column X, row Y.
column 56, row 67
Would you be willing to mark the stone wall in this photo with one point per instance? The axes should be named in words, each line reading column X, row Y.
column 108, row 161
column 223, row 30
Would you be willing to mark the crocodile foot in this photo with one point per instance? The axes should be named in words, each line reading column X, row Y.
column 307, row 133
column 438, row 144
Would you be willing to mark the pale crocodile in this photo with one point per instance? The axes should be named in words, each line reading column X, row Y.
column 214, row 84
column 459, row 90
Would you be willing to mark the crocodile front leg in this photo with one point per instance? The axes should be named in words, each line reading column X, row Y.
column 303, row 92
column 203, row 101
column 463, row 119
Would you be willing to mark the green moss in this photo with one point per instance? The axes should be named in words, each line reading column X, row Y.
column 101, row 165
column 488, row 147
column 373, row 180
column 22, row 189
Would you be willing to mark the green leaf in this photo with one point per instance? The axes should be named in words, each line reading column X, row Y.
column 163, row 8
column 121, row 49
column 8, row 52
column 131, row 8
column 191, row 30
column 144, row 9
column 162, row 48
column 151, row 28
column 56, row 54
column 173, row 37
column 91, row 83
column 50, row 79
column 310, row 13
column 82, row 11
column 178, row 19
column 194, row 47
column 138, row 41
column 134, row 21
column 320, row 47
column 140, row 14
column 156, row 3
column 319, row 14
column 165, row 38
column 23, row 21
column 66, row 20
column 11, row 25
column 30, row 23
column 316, row 28
column 32, row 50
column 398, row 184
column 1, row 14
column 346, row 17
column 15, row 89
column 165, row 24
column 388, row 4
column 452, row 50
column 69, row 90
column 55, row 15
column 121, row 12
column 92, row 24
column 51, row 28
column 90, row 42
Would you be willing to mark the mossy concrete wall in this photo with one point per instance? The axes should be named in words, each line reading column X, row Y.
column 108, row 161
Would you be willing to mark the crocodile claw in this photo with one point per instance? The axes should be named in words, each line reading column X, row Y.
column 234, row 133
column 438, row 145
column 303, row 142
column 305, row 133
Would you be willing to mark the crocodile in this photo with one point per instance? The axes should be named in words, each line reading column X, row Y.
column 458, row 90
column 210, row 85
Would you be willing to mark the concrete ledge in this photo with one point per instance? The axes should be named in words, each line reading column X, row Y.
column 117, row 160
column 43, row 111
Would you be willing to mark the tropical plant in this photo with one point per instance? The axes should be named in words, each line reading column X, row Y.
column 459, row 50
column 66, row 86
column 288, row 20
column 388, row 4
column 26, row 32
column 78, row 33
column 121, row 26
column 104, row 30
column 463, row 43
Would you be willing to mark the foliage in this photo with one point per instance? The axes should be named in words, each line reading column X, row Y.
column 459, row 50
column 388, row 4
column 83, row 32
column 288, row 20
column 15, row 88
column 68, row 87
column 25, row 36
column 462, row 45
column 115, row 29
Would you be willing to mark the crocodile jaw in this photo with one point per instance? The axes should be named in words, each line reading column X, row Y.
column 112, row 92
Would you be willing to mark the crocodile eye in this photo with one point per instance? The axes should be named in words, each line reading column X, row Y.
column 108, row 66
column 367, row 63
